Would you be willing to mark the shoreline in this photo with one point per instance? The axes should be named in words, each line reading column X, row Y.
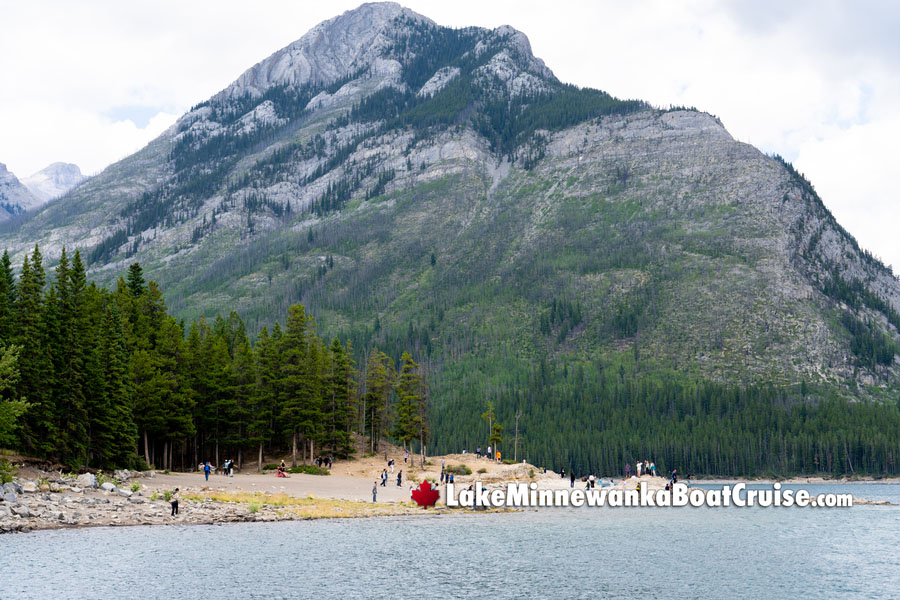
column 44, row 500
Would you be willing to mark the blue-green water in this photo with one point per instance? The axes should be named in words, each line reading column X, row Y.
column 559, row 553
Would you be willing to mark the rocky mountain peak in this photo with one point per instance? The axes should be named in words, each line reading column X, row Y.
column 15, row 198
column 54, row 180
column 328, row 52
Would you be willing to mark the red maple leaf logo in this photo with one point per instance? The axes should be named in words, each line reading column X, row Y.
column 425, row 495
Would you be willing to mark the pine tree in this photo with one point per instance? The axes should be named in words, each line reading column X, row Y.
column 380, row 376
column 170, row 352
column 35, row 367
column 264, row 401
column 115, row 433
column 7, row 299
column 295, row 380
column 11, row 408
column 136, row 284
column 409, row 420
column 341, row 406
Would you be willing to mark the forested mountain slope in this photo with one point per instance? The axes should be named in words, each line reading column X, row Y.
column 541, row 245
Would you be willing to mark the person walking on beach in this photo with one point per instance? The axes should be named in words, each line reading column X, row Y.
column 572, row 479
column 384, row 478
column 391, row 465
column 173, row 499
column 653, row 469
column 399, row 477
column 405, row 456
column 637, row 468
column 374, row 491
column 592, row 481
column 206, row 469
column 627, row 471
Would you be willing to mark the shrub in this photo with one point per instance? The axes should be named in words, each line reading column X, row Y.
column 104, row 478
column 154, row 497
column 531, row 473
column 167, row 495
column 458, row 470
column 508, row 461
column 7, row 470
column 309, row 470
column 270, row 467
column 482, row 470
column 254, row 507
column 135, row 487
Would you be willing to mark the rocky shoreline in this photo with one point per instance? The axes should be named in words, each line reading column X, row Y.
column 63, row 502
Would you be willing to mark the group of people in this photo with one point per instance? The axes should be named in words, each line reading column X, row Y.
column 326, row 461
column 385, row 476
column 646, row 467
column 487, row 454
column 227, row 468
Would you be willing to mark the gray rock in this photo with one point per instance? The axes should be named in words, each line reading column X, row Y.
column 123, row 493
column 5, row 510
column 22, row 510
column 122, row 475
column 10, row 498
column 87, row 480
column 54, row 487
column 12, row 488
column 136, row 500
column 108, row 487
column 29, row 487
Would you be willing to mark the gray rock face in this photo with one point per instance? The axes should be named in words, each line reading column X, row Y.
column 124, row 493
column 53, row 181
column 87, row 480
column 107, row 486
column 12, row 487
column 122, row 475
column 15, row 198
column 22, row 510
column 10, row 498
column 327, row 52
column 741, row 244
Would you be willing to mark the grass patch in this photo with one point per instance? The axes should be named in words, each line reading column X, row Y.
column 458, row 470
column 309, row 470
column 304, row 508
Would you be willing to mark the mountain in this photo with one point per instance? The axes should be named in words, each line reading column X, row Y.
column 438, row 189
column 53, row 181
column 15, row 198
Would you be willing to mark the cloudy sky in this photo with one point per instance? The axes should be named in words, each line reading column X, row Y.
column 815, row 81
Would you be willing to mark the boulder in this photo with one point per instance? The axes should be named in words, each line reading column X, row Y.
column 136, row 500
column 87, row 480
column 29, row 487
column 108, row 487
column 10, row 498
column 12, row 488
column 54, row 487
column 5, row 510
column 21, row 510
column 75, row 489
column 123, row 493
column 122, row 475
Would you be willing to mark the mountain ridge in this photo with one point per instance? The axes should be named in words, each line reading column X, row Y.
column 546, row 222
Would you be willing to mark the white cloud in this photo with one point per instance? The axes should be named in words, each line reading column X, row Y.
column 817, row 82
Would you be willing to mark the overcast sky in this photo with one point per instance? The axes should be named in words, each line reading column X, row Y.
column 817, row 82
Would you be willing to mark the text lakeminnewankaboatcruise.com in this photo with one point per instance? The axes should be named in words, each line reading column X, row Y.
column 525, row 495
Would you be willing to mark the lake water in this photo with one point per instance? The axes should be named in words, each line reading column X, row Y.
column 560, row 553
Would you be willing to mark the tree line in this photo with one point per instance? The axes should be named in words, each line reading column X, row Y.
column 108, row 378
